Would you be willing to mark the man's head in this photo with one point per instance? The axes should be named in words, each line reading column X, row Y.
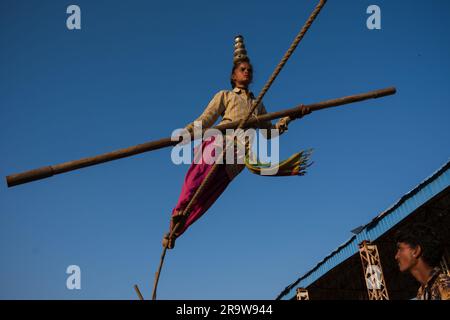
column 241, row 74
column 417, row 244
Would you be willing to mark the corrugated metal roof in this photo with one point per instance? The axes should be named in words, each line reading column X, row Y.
column 426, row 190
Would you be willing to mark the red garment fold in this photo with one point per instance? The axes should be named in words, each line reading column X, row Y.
column 194, row 177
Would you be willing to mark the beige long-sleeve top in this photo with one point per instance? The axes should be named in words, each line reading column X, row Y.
column 231, row 105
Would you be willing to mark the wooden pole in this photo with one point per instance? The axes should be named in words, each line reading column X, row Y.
column 48, row 171
column 138, row 292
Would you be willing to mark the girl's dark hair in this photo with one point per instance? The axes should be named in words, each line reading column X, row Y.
column 424, row 236
column 235, row 65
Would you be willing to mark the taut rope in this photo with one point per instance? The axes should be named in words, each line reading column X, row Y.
column 258, row 100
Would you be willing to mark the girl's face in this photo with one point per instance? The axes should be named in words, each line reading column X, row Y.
column 243, row 75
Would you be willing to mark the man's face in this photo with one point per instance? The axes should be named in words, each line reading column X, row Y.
column 406, row 256
column 243, row 74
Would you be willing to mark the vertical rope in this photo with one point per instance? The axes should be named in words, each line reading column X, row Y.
column 258, row 100
column 163, row 255
column 285, row 58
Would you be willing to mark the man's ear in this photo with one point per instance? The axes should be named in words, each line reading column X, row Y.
column 417, row 252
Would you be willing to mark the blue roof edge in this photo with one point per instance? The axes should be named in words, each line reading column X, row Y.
column 424, row 191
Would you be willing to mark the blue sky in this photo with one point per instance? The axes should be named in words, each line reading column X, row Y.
column 139, row 69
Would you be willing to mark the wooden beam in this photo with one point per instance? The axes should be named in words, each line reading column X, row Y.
column 48, row 171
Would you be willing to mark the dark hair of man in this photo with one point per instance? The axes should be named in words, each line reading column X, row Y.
column 424, row 236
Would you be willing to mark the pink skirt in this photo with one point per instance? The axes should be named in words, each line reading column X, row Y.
column 194, row 177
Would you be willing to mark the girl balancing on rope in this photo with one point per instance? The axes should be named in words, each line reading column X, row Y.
column 231, row 105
